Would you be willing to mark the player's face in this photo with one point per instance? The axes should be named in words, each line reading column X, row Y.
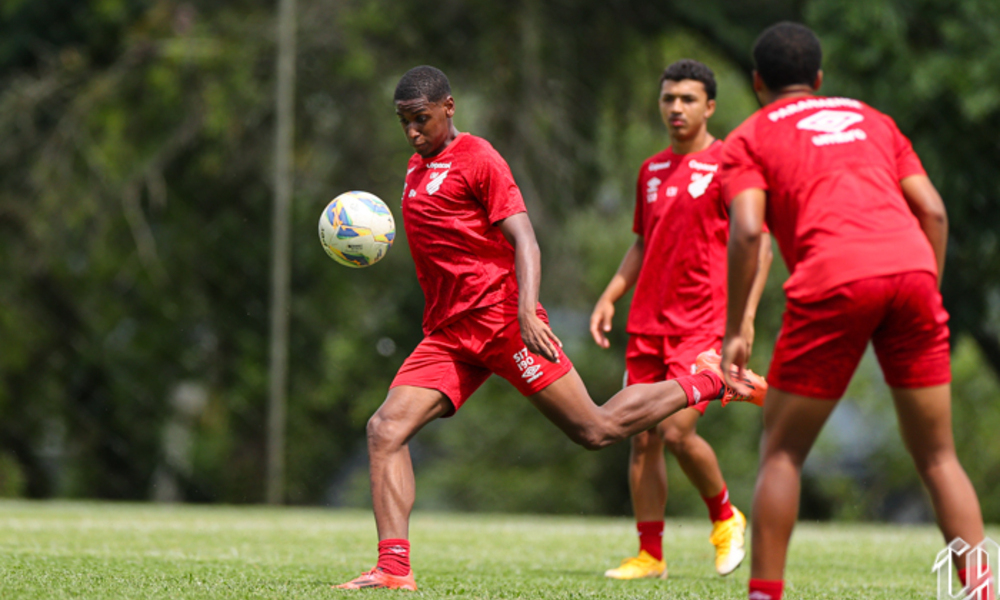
column 685, row 107
column 427, row 125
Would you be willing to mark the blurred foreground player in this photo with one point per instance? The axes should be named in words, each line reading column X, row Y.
column 477, row 262
column 678, row 267
column 863, row 232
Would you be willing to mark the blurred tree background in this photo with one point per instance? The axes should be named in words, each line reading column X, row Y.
column 135, row 209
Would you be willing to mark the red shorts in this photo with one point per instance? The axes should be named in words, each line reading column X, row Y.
column 822, row 340
column 458, row 358
column 655, row 358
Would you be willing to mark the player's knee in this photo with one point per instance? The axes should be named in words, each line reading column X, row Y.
column 383, row 432
column 676, row 440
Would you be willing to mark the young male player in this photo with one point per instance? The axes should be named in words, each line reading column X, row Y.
column 678, row 267
column 863, row 232
column 477, row 262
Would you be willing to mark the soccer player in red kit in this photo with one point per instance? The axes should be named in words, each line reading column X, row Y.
column 678, row 267
column 477, row 262
column 863, row 232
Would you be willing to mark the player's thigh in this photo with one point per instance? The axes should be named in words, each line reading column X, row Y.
column 405, row 411
column 567, row 403
column 912, row 342
column 439, row 363
column 822, row 341
column 925, row 421
column 791, row 424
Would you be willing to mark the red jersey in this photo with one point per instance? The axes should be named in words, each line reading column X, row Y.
column 451, row 203
column 831, row 168
column 685, row 227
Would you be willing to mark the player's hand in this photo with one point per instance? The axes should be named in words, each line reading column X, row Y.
column 539, row 338
column 735, row 352
column 600, row 322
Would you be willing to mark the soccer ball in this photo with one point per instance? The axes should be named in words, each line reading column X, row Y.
column 356, row 229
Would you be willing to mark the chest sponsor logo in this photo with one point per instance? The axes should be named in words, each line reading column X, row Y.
column 703, row 166
column 699, row 183
column 658, row 166
column 526, row 365
column 671, row 191
column 434, row 182
column 652, row 186
column 833, row 127
column 437, row 165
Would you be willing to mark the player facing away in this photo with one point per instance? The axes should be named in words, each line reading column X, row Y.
column 478, row 263
column 678, row 267
column 863, row 232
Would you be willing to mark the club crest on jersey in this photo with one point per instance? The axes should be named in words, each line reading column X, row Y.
column 526, row 365
column 832, row 125
column 652, row 186
column 436, row 179
column 699, row 183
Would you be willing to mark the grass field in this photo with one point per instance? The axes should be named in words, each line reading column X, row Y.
column 97, row 550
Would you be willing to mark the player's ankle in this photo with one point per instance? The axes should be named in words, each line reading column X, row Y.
column 651, row 538
column 764, row 589
column 394, row 556
column 701, row 387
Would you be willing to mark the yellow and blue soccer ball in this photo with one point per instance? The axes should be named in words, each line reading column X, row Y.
column 356, row 229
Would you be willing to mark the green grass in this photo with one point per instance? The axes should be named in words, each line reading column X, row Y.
column 99, row 550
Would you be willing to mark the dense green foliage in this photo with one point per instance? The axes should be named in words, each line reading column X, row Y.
column 135, row 211
column 98, row 551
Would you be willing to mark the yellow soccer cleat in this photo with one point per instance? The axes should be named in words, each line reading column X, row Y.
column 639, row 567
column 728, row 539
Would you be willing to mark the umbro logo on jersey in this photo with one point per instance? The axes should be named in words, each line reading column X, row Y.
column 832, row 125
column 526, row 364
column 672, row 191
column 413, row 193
column 439, row 166
column 699, row 184
column 436, row 179
column 830, row 121
column 659, row 166
column 703, row 166
column 410, row 170
column 652, row 186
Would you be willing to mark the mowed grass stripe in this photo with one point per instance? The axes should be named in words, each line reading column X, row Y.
column 107, row 550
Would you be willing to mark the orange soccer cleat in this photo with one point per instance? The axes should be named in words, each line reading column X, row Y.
column 711, row 361
column 377, row 578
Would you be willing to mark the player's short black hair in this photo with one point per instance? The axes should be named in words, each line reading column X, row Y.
column 422, row 82
column 687, row 68
column 787, row 54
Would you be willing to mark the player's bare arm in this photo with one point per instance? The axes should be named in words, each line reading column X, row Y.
column 622, row 281
column 538, row 336
column 926, row 204
column 764, row 258
column 746, row 217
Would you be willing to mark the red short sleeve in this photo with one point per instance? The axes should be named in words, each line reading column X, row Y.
column 497, row 189
column 740, row 168
column 907, row 161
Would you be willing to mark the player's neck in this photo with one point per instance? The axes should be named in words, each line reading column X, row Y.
column 793, row 91
column 696, row 143
column 453, row 134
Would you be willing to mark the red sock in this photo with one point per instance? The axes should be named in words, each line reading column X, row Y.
column 394, row 556
column 701, row 387
column 988, row 592
column 651, row 538
column 763, row 589
column 719, row 508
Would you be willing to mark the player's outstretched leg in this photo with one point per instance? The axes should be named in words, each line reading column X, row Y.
column 791, row 424
column 925, row 423
column 405, row 411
